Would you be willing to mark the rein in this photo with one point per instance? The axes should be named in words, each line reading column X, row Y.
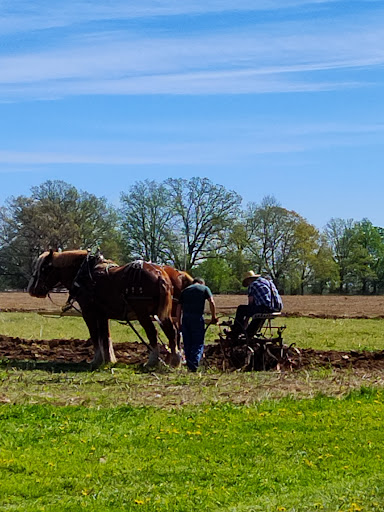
column 70, row 304
column 127, row 322
column 76, row 285
column 84, row 262
column 50, row 298
column 67, row 306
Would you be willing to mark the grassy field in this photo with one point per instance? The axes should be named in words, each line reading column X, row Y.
column 118, row 439
column 319, row 454
column 338, row 334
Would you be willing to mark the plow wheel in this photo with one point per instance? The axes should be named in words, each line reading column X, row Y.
column 257, row 353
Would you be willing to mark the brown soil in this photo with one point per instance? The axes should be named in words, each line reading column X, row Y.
column 64, row 353
column 217, row 355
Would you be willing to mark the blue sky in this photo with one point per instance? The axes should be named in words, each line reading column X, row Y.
column 265, row 97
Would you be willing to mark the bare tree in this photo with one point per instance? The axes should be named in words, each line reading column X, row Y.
column 147, row 221
column 205, row 211
column 340, row 236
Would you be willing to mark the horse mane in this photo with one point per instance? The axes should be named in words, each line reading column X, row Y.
column 186, row 277
column 66, row 258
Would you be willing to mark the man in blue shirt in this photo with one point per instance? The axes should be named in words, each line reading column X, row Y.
column 263, row 297
column 190, row 315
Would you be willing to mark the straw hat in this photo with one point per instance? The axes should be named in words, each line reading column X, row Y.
column 249, row 277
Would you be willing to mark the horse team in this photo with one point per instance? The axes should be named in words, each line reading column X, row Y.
column 140, row 291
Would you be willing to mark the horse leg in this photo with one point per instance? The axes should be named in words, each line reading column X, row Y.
column 93, row 327
column 173, row 337
column 98, row 326
column 105, row 343
column 178, row 339
column 150, row 330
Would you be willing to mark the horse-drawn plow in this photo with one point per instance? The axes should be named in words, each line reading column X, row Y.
column 269, row 351
column 261, row 351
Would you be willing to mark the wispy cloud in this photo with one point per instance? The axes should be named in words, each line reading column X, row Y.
column 249, row 62
column 148, row 154
column 40, row 15
column 274, row 57
column 239, row 142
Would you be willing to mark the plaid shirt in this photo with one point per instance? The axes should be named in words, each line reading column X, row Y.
column 261, row 291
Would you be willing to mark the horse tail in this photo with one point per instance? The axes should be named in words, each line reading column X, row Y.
column 165, row 298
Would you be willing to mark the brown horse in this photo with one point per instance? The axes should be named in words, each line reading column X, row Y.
column 104, row 291
column 179, row 279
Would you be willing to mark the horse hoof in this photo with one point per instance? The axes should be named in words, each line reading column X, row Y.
column 112, row 359
column 175, row 360
column 153, row 359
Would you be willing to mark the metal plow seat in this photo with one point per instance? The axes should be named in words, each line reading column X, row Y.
column 260, row 325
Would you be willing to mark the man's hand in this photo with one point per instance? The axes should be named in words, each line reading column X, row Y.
column 214, row 320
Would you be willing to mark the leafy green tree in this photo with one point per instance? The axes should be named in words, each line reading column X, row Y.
column 324, row 270
column 15, row 254
column 378, row 285
column 358, row 250
column 304, row 253
column 367, row 255
column 360, row 271
column 235, row 254
column 56, row 216
column 217, row 274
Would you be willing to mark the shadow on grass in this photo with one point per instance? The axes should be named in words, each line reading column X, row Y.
column 47, row 366
column 69, row 367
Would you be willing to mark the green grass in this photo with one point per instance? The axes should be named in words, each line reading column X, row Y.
column 339, row 334
column 174, row 441
column 318, row 454
column 324, row 334
column 64, row 384
column 35, row 326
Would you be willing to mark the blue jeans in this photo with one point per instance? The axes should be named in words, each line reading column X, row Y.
column 193, row 330
column 245, row 311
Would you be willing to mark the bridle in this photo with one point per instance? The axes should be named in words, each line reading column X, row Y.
column 40, row 274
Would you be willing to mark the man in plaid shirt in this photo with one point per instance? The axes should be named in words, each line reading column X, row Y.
column 263, row 297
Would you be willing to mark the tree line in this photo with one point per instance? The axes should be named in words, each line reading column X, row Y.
column 194, row 225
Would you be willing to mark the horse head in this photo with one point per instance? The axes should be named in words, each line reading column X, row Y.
column 52, row 269
column 44, row 277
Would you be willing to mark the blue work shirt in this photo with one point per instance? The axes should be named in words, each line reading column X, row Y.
column 264, row 293
column 192, row 299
